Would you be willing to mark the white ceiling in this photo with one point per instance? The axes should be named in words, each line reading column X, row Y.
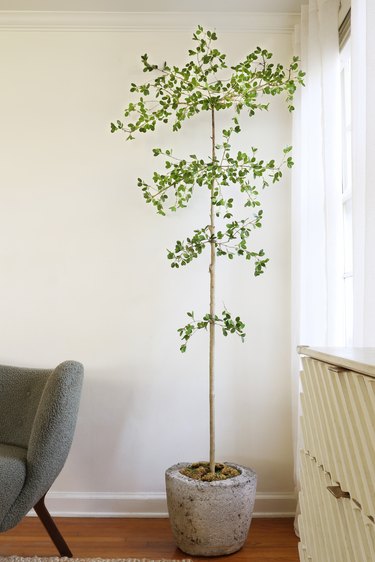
column 265, row 6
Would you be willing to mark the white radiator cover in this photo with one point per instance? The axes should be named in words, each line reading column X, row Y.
column 337, row 499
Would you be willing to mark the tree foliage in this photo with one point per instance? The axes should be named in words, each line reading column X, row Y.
column 207, row 83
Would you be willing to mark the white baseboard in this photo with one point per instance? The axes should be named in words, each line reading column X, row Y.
column 84, row 504
column 275, row 505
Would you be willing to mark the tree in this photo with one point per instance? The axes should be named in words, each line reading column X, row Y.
column 207, row 83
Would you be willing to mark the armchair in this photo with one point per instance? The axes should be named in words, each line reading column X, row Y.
column 38, row 413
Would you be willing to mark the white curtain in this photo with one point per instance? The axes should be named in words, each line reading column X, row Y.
column 363, row 154
column 317, row 313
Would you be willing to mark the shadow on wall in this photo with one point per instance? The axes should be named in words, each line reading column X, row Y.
column 106, row 434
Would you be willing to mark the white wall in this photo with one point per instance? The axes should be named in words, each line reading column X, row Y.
column 84, row 274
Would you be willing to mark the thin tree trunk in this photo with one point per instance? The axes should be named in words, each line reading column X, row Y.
column 212, row 309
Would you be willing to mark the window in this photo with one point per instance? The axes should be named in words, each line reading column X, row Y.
column 347, row 207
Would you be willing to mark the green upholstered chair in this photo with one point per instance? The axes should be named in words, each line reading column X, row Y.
column 38, row 413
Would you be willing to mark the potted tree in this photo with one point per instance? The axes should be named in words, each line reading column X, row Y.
column 210, row 504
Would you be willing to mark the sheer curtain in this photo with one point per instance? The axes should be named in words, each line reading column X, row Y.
column 317, row 312
column 363, row 152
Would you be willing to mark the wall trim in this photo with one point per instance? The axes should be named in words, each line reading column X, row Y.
column 86, row 504
column 147, row 21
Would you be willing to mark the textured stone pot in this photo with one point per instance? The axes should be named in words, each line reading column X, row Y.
column 210, row 518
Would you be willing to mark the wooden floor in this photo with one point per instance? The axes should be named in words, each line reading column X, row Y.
column 270, row 540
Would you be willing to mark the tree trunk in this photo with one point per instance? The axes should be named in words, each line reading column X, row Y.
column 212, row 308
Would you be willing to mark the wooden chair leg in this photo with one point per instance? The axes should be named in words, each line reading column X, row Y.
column 51, row 528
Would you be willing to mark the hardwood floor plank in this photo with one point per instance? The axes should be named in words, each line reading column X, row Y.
column 270, row 540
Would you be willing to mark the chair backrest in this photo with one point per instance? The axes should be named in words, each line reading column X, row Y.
column 20, row 392
column 54, row 423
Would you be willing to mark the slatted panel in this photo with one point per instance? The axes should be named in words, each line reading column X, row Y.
column 338, row 427
column 332, row 530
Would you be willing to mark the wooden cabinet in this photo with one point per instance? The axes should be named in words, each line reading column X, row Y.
column 337, row 498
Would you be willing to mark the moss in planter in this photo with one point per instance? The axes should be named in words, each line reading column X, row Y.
column 201, row 471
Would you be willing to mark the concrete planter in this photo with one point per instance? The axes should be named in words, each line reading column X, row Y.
column 210, row 518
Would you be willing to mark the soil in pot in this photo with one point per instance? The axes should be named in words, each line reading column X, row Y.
column 201, row 471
